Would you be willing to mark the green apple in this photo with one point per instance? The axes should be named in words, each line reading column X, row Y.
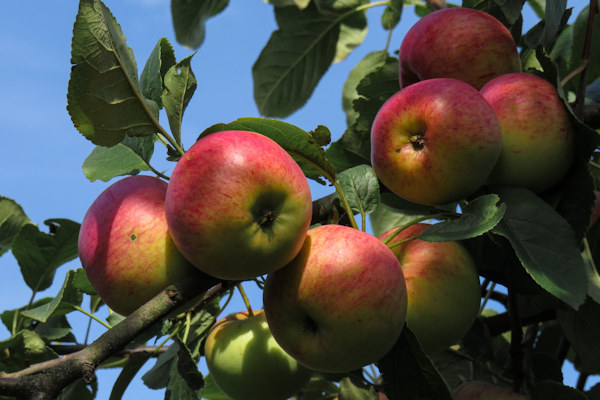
column 125, row 246
column 459, row 43
column 238, row 205
column 537, row 134
column 435, row 141
column 245, row 362
column 443, row 288
column 480, row 390
column 340, row 304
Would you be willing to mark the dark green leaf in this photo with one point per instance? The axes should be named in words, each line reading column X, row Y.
column 553, row 16
column 582, row 329
column 373, row 91
column 79, row 390
column 555, row 390
column 318, row 388
column 408, row 373
column 39, row 254
column 23, row 349
column 129, row 157
column 392, row 14
column 104, row 96
column 8, row 316
column 68, row 297
column 294, row 60
column 199, row 326
column 301, row 145
column 322, row 135
column 478, row 217
column 545, row 243
column 134, row 364
column 284, row 3
column 212, row 391
column 114, row 319
column 341, row 158
column 180, row 84
column 367, row 65
column 189, row 19
column 185, row 380
column 594, row 393
column 159, row 62
column 158, row 376
column 349, row 391
column 56, row 328
column 361, row 188
column 12, row 218
column 579, row 35
column 82, row 284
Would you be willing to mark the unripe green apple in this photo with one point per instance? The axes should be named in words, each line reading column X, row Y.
column 340, row 304
column 537, row 134
column 125, row 246
column 435, row 141
column 238, row 205
column 246, row 363
column 480, row 390
column 443, row 288
column 459, row 43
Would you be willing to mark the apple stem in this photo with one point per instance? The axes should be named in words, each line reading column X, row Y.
column 188, row 325
column 246, row 301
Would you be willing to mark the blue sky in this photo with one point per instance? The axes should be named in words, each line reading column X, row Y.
column 42, row 153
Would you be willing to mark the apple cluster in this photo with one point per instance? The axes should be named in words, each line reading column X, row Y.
column 466, row 116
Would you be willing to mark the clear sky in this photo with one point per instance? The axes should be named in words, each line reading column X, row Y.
column 42, row 153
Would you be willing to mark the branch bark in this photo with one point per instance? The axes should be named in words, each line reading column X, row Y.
column 48, row 383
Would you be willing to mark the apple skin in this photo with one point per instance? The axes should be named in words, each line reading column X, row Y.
column 340, row 304
column 238, row 206
column 480, row 390
column 443, row 288
column 538, row 138
column 245, row 361
column 125, row 246
column 435, row 142
column 459, row 43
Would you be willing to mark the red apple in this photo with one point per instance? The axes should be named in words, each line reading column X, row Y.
column 480, row 390
column 537, row 135
column 435, row 142
column 459, row 43
column 245, row 362
column 340, row 304
column 443, row 288
column 238, row 205
column 125, row 246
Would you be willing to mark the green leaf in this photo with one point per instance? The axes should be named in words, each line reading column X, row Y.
column 68, row 297
column 185, row 380
column 353, row 31
column 317, row 388
column 368, row 64
column 82, row 284
column 56, row 328
column 555, row 390
column 545, row 244
column 301, row 145
column 104, row 97
column 478, row 217
column 293, row 61
column 361, row 188
column 373, row 90
column 189, row 19
column 301, row 4
column 180, row 84
column 212, row 391
column 23, row 349
column 8, row 316
column 582, row 330
column 349, row 390
column 579, row 35
column 408, row 373
column 129, row 157
column 12, row 218
column 39, row 254
column 157, row 65
column 158, row 376
column 553, row 16
column 134, row 364
column 200, row 324
column 392, row 14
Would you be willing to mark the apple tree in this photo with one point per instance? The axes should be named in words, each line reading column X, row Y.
column 534, row 252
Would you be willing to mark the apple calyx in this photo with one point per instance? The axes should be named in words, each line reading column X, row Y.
column 418, row 141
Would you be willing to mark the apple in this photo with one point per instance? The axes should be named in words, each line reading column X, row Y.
column 238, row 206
column 480, row 390
column 538, row 144
column 125, row 247
column 435, row 141
column 443, row 288
column 459, row 43
column 245, row 362
column 340, row 304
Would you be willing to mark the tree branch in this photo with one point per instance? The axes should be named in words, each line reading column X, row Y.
column 47, row 383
